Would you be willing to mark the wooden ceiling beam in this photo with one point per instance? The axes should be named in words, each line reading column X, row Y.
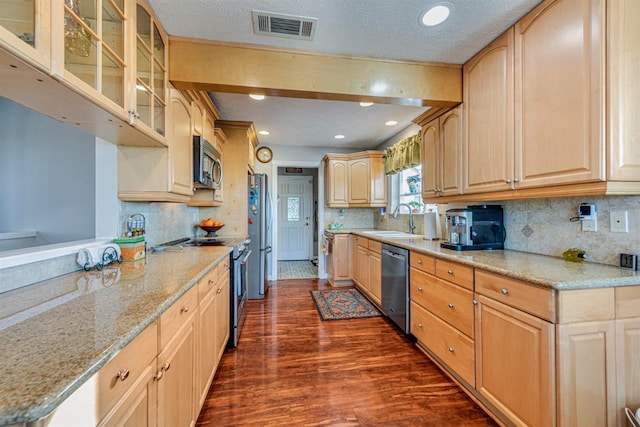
column 239, row 68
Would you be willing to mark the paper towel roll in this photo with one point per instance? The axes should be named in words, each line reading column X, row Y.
column 432, row 229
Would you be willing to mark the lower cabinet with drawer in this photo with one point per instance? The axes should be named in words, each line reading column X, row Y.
column 161, row 377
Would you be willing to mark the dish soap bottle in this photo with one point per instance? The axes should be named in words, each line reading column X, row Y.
column 574, row 254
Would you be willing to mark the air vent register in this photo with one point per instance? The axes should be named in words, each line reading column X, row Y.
column 279, row 25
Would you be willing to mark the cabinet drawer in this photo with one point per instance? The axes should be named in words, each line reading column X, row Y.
column 521, row 295
column 627, row 301
column 375, row 246
column 459, row 274
column 451, row 303
column 452, row 347
column 208, row 283
column 176, row 315
column 120, row 373
column 423, row 262
column 363, row 241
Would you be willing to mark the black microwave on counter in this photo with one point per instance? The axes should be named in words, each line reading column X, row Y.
column 207, row 166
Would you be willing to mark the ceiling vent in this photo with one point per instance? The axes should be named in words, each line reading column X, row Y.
column 279, row 25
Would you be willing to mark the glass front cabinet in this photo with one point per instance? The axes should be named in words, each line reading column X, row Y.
column 25, row 30
column 111, row 52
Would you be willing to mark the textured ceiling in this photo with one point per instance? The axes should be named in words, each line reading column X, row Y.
column 376, row 28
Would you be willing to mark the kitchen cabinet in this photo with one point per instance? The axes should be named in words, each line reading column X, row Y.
column 240, row 136
column 336, row 181
column 176, row 362
column 25, row 31
column 369, row 266
column 213, row 326
column 488, row 152
column 627, row 362
column 339, row 259
column 440, row 155
column 355, row 180
column 161, row 174
column 540, row 117
column 355, row 274
column 441, row 312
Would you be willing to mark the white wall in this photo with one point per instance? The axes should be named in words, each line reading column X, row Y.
column 47, row 177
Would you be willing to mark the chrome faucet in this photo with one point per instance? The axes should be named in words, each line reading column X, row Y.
column 412, row 227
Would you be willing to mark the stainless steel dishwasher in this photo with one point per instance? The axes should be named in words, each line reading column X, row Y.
column 395, row 285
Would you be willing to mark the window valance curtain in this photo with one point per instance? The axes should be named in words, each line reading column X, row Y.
column 403, row 154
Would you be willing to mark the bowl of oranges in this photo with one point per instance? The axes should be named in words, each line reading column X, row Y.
column 210, row 226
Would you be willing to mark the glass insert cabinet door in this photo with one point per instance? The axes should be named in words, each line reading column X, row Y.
column 94, row 45
column 24, row 27
column 150, row 71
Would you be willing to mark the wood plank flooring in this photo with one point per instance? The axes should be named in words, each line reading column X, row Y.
column 292, row 369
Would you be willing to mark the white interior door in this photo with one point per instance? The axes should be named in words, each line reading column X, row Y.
column 295, row 204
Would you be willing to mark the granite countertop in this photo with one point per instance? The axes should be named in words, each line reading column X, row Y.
column 540, row 270
column 55, row 334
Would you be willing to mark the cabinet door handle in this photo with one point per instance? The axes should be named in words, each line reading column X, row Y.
column 451, row 349
column 211, row 281
column 184, row 310
column 122, row 374
column 516, row 180
column 450, row 306
column 505, row 291
column 450, row 272
column 219, row 290
column 158, row 376
column 419, row 261
column 508, row 181
column 420, row 289
column 475, row 302
column 420, row 325
column 166, row 366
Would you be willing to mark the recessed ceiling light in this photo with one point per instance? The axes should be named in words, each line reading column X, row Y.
column 264, row 132
column 366, row 104
column 256, row 97
column 391, row 123
column 436, row 15
column 339, row 137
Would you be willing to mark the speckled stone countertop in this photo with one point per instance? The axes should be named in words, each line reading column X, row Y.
column 540, row 270
column 55, row 334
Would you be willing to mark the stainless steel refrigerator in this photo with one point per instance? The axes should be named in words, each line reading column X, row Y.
column 260, row 235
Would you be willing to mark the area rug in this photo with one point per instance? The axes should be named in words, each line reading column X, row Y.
column 338, row 304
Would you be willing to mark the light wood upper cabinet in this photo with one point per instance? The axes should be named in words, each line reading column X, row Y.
column 488, row 117
column 161, row 174
column 25, row 30
column 441, row 154
column 336, row 182
column 355, row 180
column 559, row 93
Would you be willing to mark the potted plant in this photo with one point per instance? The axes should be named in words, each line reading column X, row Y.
column 414, row 183
column 415, row 206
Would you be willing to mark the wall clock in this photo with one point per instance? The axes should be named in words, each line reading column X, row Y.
column 264, row 154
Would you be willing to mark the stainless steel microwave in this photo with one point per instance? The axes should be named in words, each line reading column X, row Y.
column 207, row 166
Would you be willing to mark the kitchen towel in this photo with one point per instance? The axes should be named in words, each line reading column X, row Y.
column 98, row 255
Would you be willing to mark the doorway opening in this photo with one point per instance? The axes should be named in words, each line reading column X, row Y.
column 297, row 222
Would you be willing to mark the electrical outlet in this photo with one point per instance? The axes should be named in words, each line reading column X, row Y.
column 619, row 221
column 589, row 225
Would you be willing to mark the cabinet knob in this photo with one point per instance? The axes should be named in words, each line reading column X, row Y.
column 450, row 305
column 420, row 289
column 219, row 290
column 211, row 281
column 451, row 350
column 475, row 302
column 419, row 261
column 158, row 376
column 420, row 325
column 166, row 366
column 184, row 310
column 508, row 181
column 505, row 291
column 122, row 374
column 516, row 180
column 450, row 271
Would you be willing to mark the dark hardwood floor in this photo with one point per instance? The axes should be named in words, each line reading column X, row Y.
column 290, row 368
